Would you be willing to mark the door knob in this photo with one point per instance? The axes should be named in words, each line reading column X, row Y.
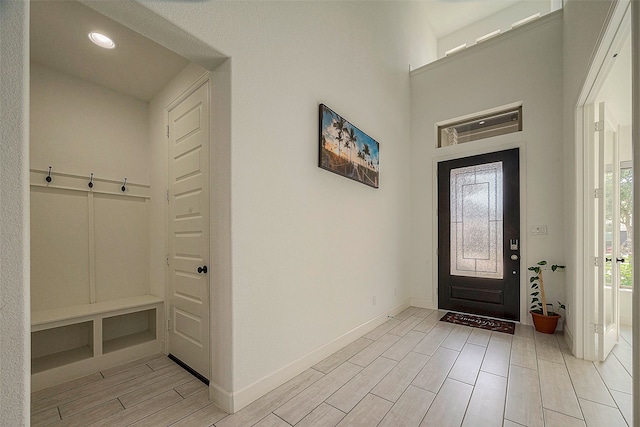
column 202, row 269
column 514, row 257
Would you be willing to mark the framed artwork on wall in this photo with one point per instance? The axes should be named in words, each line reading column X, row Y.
column 346, row 150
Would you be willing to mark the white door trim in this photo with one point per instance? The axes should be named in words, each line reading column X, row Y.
column 205, row 78
column 178, row 99
column 635, row 141
column 584, row 302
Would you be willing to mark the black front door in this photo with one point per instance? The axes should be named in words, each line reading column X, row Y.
column 479, row 235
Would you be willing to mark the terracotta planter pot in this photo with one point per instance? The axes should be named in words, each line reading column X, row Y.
column 545, row 324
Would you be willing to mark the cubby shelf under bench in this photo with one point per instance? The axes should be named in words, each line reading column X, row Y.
column 72, row 342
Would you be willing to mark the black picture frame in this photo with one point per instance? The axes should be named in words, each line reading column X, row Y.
column 346, row 150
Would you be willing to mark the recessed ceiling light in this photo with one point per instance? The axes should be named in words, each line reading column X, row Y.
column 102, row 40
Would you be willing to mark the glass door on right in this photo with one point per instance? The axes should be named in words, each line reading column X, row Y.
column 615, row 230
column 609, row 171
column 625, row 248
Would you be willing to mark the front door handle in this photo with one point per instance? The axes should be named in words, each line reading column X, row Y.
column 619, row 259
column 202, row 269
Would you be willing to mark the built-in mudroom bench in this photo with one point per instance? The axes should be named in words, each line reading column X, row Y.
column 70, row 342
column 91, row 307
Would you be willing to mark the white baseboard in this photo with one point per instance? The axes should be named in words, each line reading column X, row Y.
column 233, row 402
column 568, row 337
column 221, row 398
column 423, row 303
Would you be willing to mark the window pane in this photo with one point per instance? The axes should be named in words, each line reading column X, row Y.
column 486, row 126
column 609, row 227
column 626, row 226
column 476, row 221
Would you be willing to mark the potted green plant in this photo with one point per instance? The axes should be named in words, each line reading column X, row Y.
column 543, row 319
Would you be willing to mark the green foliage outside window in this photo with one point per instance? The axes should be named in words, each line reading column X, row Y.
column 626, row 272
column 626, row 219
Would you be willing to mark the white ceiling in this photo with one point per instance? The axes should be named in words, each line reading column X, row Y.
column 59, row 39
column 141, row 68
column 447, row 16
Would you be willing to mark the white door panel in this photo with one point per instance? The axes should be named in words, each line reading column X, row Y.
column 188, row 338
column 609, row 233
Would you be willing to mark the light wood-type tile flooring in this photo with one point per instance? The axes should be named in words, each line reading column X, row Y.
column 411, row 371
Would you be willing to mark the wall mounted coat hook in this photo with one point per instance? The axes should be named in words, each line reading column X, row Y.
column 48, row 178
column 124, row 185
column 91, row 180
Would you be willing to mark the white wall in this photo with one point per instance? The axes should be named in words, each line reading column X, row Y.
column 501, row 20
column 79, row 127
column 221, row 237
column 616, row 89
column 311, row 249
column 524, row 66
column 87, row 247
column 15, row 322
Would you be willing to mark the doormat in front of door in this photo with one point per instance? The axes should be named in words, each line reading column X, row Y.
column 480, row 322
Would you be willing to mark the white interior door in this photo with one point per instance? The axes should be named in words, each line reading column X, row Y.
column 188, row 296
column 607, row 326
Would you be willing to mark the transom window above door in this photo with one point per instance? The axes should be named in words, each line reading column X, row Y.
column 479, row 127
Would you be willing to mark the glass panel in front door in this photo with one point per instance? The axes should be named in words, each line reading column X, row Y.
column 477, row 221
